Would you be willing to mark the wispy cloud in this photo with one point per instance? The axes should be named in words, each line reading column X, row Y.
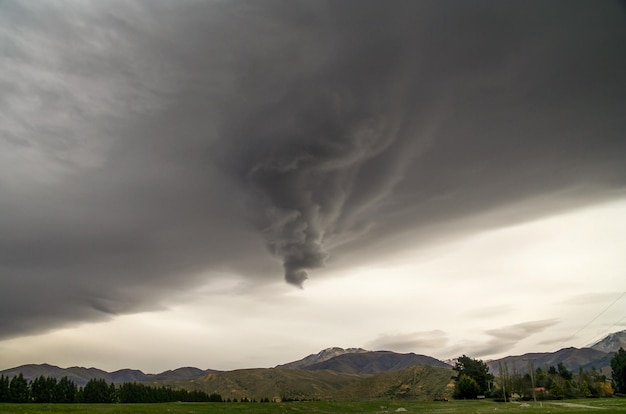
column 505, row 338
column 418, row 342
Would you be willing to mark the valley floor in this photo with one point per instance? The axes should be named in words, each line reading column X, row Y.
column 603, row 406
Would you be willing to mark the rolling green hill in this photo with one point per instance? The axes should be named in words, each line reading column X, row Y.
column 271, row 383
column 417, row 382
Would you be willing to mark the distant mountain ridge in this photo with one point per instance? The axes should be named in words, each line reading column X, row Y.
column 375, row 362
column 361, row 361
column 572, row 358
column 597, row 356
column 81, row 375
column 323, row 355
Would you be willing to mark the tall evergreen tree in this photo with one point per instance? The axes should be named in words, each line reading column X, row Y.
column 38, row 391
column 65, row 391
column 43, row 389
column 564, row 373
column 4, row 388
column 18, row 390
column 618, row 371
column 97, row 391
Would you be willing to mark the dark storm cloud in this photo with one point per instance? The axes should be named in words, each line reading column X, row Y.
column 146, row 146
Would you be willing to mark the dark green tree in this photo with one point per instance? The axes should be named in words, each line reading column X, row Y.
column 556, row 391
column 563, row 372
column 43, row 389
column 65, row 391
column 18, row 390
column 618, row 371
column 97, row 391
column 466, row 387
column 584, row 390
column 215, row 397
column 113, row 394
column 4, row 389
column 475, row 369
column 541, row 378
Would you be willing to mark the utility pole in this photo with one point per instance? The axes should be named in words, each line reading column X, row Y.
column 532, row 377
column 503, row 381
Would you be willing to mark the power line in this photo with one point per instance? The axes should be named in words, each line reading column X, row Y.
column 594, row 319
column 595, row 338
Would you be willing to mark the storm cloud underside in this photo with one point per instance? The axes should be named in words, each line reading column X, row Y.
column 148, row 146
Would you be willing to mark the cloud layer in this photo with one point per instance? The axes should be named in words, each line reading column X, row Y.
column 147, row 147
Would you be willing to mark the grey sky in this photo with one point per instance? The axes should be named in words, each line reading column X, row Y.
column 148, row 148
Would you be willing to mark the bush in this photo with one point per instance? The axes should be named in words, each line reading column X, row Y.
column 466, row 388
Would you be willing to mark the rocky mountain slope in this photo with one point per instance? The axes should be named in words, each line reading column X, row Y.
column 323, row 355
column 611, row 343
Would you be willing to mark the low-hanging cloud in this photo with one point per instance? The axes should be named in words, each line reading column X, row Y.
column 146, row 146
column 422, row 342
column 505, row 338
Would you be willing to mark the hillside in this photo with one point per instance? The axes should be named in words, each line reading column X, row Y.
column 417, row 382
column 572, row 359
column 273, row 383
column 374, row 362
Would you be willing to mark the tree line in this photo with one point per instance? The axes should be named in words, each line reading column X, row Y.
column 473, row 380
column 553, row 383
column 50, row 390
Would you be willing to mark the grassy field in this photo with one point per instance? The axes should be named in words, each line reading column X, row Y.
column 601, row 406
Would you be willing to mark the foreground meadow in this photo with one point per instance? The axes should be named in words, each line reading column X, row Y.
column 603, row 406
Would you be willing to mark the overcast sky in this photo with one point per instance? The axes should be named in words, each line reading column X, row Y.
column 234, row 184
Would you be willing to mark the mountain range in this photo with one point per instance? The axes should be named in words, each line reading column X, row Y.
column 337, row 373
column 81, row 375
column 597, row 355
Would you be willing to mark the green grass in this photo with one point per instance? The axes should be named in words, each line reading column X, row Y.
column 600, row 406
